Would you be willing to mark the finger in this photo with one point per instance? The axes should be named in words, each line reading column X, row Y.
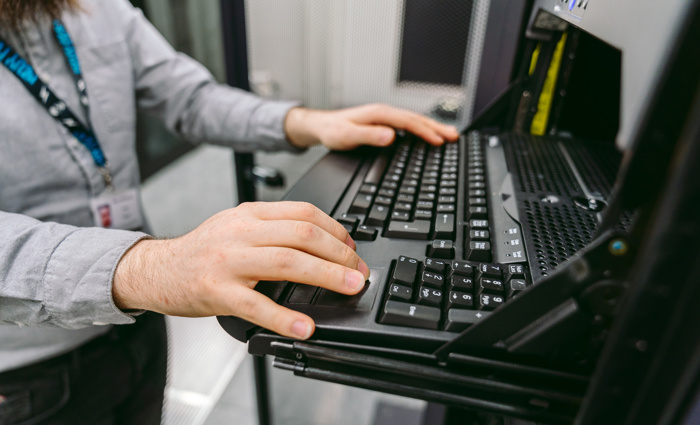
column 280, row 263
column 400, row 118
column 372, row 135
column 301, row 211
column 309, row 238
column 261, row 310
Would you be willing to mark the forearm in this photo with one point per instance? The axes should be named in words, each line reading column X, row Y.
column 59, row 275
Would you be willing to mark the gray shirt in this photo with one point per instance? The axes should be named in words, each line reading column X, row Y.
column 56, row 272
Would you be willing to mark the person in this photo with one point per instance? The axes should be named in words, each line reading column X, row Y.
column 75, row 254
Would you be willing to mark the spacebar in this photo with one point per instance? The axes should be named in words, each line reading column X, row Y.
column 419, row 229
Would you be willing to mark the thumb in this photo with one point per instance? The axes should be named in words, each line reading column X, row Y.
column 373, row 135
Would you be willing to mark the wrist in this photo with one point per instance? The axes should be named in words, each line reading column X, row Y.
column 134, row 276
column 299, row 133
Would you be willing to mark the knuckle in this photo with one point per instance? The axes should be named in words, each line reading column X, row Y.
column 284, row 259
column 348, row 256
column 306, row 231
column 307, row 211
column 247, row 307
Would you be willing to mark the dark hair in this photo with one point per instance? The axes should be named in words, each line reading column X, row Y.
column 14, row 12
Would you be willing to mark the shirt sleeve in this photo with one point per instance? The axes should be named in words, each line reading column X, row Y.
column 185, row 96
column 57, row 275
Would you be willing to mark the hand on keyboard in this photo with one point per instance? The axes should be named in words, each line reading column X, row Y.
column 364, row 125
column 214, row 269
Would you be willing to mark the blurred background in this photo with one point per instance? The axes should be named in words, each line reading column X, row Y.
column 421, row 55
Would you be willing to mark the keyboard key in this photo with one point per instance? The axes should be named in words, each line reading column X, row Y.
column 515, row 286
column 376, row 170
column 489, row 270
column 365, row 233
column 447, row 200
column 446, row 208
column 426, row 196
column 448, row 183
column 458, row 320
column 459, row 300
column 477, row 185
column 400, row 216
column 407, row 190
column 449, row 191
column 444, row 226
column 378, row 215
column 412, row 315
column 403, row 206
column 368, row 188
column 424, row 214
column 400, row 293
column 390, row 185
column 477, row 192
column 478, row 213
column 302, row 294
column 430, row 181
column 490, row 286
column 432, row 280
column 478, row 251
column 430, row 188
column 441, row 248
column 345, row 218
column 424, row 205
column 405, row 271
column 348, row 227
column 389, row 193
column 476, row 177
column 404, row 197
column 419, row 229
column 489, row 301
column 462, row 283
column 477, row 201
column 479, row 224
column 515, row 271
column 429, row 296
column 479, row 235
column 361, row 204
column 383, row 200
column 461, row 268
column 435, row 265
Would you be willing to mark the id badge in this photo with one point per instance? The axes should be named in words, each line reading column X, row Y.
column 117, row 210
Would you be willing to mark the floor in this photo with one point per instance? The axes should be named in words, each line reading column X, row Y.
column 210, row 374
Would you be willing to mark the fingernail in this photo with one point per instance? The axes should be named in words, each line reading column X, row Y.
column 354, row 280
column 351, row 243
column 387, row 136
column 362, row 268
column 301, row 329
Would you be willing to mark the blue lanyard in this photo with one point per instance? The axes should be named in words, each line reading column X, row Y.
column 56, row 107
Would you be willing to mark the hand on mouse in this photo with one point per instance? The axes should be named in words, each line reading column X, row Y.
column 213, row 270
column 363, row 125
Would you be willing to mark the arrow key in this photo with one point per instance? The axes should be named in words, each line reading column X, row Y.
column 460, row 300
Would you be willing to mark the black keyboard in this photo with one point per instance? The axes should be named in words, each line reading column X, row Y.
column 448, row 295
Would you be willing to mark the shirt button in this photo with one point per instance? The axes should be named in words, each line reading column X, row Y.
column 100, row 323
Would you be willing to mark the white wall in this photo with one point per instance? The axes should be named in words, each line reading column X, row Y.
column 337, row 53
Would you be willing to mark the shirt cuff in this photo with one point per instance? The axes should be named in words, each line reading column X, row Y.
column 268, row 121
column 83, row 296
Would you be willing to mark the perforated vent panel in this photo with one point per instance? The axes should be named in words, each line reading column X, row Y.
column 556, row 233
column 540, row 167
column 598, row 167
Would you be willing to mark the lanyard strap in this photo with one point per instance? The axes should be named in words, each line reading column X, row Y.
column 56, row 107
